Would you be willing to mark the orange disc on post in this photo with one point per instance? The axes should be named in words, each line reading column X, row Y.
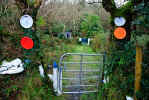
column 120, row 33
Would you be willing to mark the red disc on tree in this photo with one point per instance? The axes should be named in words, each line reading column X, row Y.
column 120, row 33
column 27, row 43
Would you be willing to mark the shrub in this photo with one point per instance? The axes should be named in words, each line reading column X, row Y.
column 99, row 42
column 90, row 25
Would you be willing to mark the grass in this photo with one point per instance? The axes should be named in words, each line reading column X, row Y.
column 30, row 86
column 83, row 49
column 91, row 96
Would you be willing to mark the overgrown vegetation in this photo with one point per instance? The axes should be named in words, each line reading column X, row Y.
column 91, row 25
column 51, row 21
column 121, row 59
column 142, row 24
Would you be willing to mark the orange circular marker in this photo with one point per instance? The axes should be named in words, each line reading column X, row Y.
column 120, row 33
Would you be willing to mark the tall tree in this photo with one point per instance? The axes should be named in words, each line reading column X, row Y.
column 124, row 11
column 82, row 2
column 118, row 57
column 31, row 8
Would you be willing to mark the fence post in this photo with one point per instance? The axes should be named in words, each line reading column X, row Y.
column 138, row 69
column 103, row 76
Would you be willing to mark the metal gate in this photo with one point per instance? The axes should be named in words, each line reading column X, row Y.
column 80, row 73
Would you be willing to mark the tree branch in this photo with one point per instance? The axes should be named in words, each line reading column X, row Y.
column 108, row 5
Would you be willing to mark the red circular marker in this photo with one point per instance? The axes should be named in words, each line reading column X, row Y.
column 27, row 43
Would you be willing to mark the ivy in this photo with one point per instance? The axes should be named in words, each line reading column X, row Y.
column 122, row 11
column 142, row 23
column 121, row 65
column 1, row 28
column 142, row 20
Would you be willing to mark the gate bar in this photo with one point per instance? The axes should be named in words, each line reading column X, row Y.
column 65, row 78
column 79, row 85
column 82, row 70
column 83, row 54
column 81, row 62
column 79, row 92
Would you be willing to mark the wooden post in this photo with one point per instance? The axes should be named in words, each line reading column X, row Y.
column 138, row 69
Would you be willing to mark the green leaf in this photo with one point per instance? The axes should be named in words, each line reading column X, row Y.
column 1, row 28
column 40, row 21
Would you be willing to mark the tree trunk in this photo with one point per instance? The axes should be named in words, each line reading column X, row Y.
column 119, row 44
column 31, row 8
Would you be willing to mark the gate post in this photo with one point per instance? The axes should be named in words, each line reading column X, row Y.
column 138, row 69
column 103, row 74
column 55, row 78
column 104, row 59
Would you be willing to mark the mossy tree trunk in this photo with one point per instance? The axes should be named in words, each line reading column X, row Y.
column 31, row 8
column 127, row 13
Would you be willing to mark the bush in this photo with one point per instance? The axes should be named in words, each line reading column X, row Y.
column 90, row 25
column 57, row 28
column 99, row 42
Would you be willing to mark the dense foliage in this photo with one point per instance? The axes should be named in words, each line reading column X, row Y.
column 90, row 25
column 120, row 62
column 142, row 23
column 121, row 56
